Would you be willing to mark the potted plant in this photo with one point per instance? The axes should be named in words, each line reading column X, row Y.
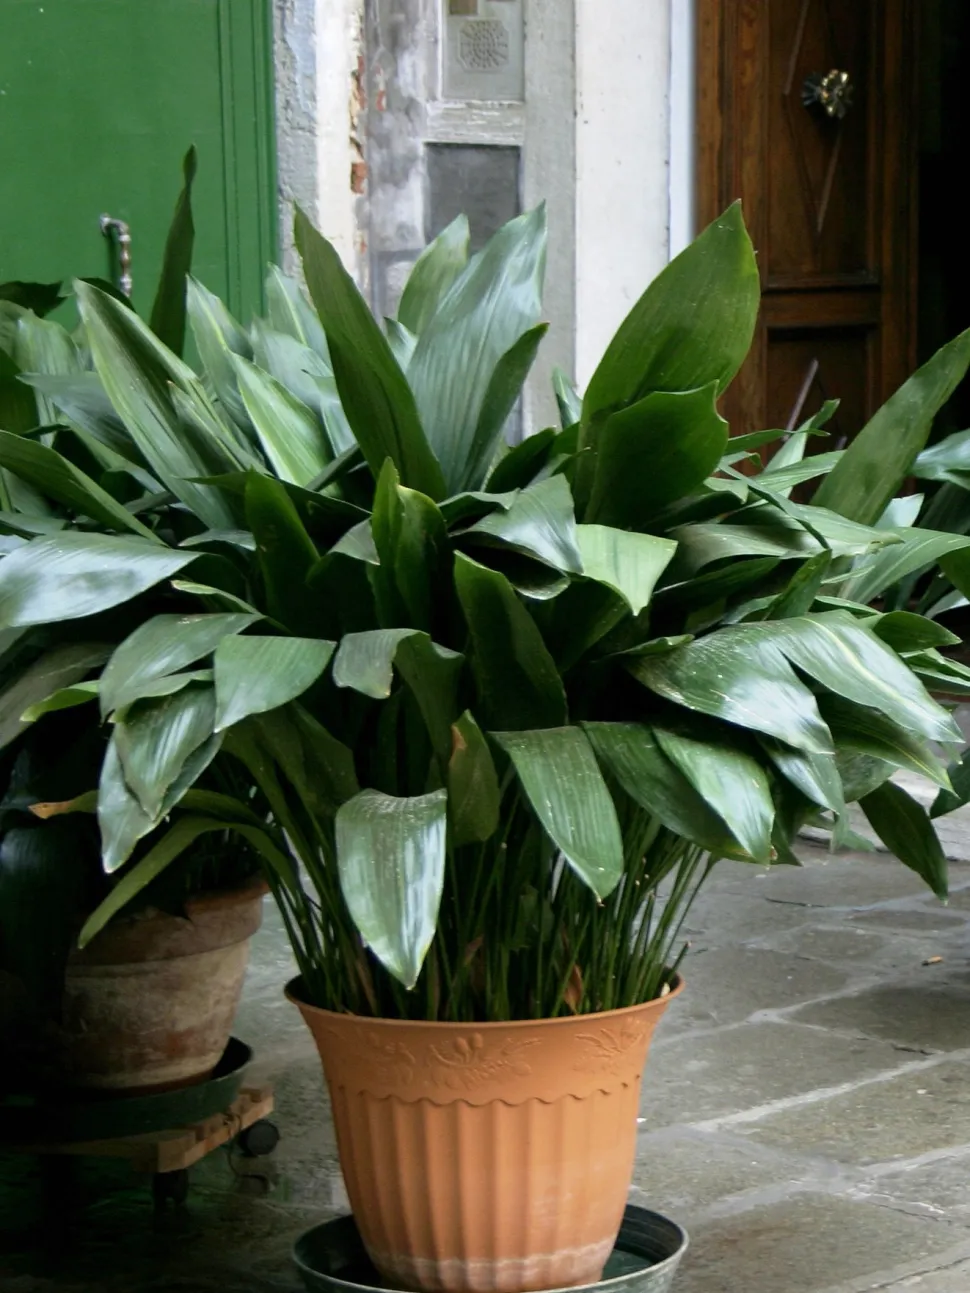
column 148, row 1005
column 501, row 709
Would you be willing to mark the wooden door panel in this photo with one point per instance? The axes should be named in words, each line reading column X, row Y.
column 820, row 205
column 830, row 203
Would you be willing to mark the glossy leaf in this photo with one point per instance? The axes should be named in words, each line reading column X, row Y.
column 78, row 693
column 692, row 326
column 136, row 371
column 409, row 536
column 906, row 632
column 878, row 460
column 74, row 574
column 959, row 792
column 729, row 781
column 906, row 830
column 803, row 589
column 81, row 400
column 291, row 437
column 522, row 464
column 374, row 392
column 764, row 531
column 742, row 677
column 948, row 460
column 168, row 311
column 391, row 861
column 432, row 276
column 843, row 655
column 218, row 338
column 539, row 523
column 815, row 775
column 917, row 550
column 516, row 678
column 501, row 396
column 160, row 647
column 567, row 398
column 490, row 305
column 256, row 674
column 286, row 555
column 558, row 772
column 320, row 767
column 289, row 312
column 59, row 667
column 474, row 796
column 859, row 729
column 630, row 753
column 629, row 563
column 156, row 738
column 784, row 478
column 58, row 478
column 661, row 448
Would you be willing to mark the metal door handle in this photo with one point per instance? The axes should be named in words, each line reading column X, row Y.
column 118, row 231
column 832, row 91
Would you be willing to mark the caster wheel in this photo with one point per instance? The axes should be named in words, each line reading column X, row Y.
column 170, row 1186
column 259, row 1140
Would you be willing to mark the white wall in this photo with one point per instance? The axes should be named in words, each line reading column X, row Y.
column 634, row 156
column 338, row 46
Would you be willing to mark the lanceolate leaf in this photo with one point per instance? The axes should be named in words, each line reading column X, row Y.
column 842, row 654
column 815, row 775
column 562, row 781
column 661, row 448
column 917, row 550
column 433, row 274
column 74, row 574
column 539, row 523
column 906, row 830
column 320, row 768
column 168, row 312
column 291, row 437
column 289, row 312
column 391, row 860
column 905, row 632
column 489, row 307
column 156, row 737
column 740, row 675
column 629, row 563
column 879, row 458
column 218, row 338
column 803, row 588
column 629, row 752
column 474, row 796
column 162, row 646
column 58, row 478
column 568, row 399
column 136, row 371
column 518, row 684
column 410, row 540
column 729, row 780
column 57, row 668
column 859, row 729
column 286, row 555
column 693, row 325
column 256, row 674
column 503, row 391
column 375, row 393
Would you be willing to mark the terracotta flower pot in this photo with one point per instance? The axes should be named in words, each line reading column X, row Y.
column 486, row 1157
column 149, row 1003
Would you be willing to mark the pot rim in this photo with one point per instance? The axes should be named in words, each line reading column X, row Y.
column 254, row 887
column 292, row 993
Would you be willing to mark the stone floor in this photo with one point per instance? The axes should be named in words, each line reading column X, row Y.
column 806, row 1112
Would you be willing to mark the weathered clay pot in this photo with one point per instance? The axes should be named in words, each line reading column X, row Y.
column 486, row 1157
column 149, row 1003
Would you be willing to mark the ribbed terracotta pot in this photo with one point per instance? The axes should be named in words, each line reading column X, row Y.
column 149, row 1004
column 493, row 1158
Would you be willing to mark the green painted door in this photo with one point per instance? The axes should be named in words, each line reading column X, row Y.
column 99, row 100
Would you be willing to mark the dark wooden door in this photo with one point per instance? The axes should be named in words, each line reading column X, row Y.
column 830, row 200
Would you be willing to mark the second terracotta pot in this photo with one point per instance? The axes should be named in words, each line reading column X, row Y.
column 492, row 1158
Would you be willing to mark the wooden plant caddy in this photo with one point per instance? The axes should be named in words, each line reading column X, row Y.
column 167, row 1155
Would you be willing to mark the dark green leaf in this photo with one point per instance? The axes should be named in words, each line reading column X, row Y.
column 292, row 439
column 319, row 767
column 906, row 632
column 815, row 775
column 487, row 311
column 474, row 796
column 256, row 674
column 160, row 647
column 631, row 755
column 522, row 464
column 729, row 781
column 57, row 668
column 882, row 454
column 802, row 590
column 168, row 311
column 949, row 460
column 568, row 399
column 391, row 859
column 740, row 676
column 558, row 771
column 409, row 535
column 286, row 555
column 434, row 272
column 661, row 448
column 858, row 729
column 916, row 550
column 905, row 829
column 692, row 326
column 72, row 574
column 539, row 523
column 374, row 392
column 218, row 337
column 629, row 563
column 156, row 738
column 516, row 677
